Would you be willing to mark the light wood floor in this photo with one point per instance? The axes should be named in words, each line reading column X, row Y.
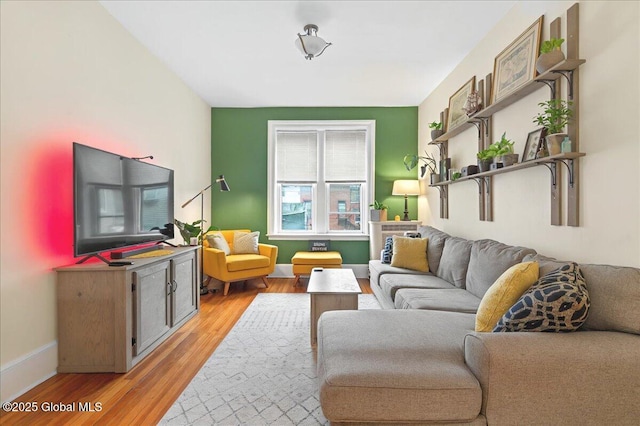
column 145, row 393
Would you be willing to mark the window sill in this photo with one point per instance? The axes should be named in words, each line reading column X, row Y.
column 306, row 237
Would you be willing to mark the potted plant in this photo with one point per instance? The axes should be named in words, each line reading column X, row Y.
column 378, row 212
column 412, row 160
column 503, row 151
column 550, row 54
column 554, row 117
column 485, row 157
column 192, row 230
column 436, row 129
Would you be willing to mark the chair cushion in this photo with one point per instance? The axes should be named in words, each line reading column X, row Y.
column 243, row 262
column 245, row 242
column 216, row 240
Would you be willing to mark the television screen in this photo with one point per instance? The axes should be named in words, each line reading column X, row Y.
column 119, row 202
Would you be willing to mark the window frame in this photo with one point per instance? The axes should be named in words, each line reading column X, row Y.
column 321, row 204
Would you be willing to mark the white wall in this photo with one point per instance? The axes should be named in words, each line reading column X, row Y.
column 609, row 230
column 70, row 72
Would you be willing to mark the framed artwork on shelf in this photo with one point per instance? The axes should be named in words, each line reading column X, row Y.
column 533, row 144
column 515, row 66
column 456, row 115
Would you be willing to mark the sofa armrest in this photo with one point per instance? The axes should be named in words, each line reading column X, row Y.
column 585, row 377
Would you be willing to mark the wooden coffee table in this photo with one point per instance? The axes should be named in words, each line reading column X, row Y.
column 331, row 290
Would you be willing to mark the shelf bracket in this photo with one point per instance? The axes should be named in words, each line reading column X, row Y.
column 552, row 86
column 479, row 181
column 568, row 75
column 552, row 169
column 569, row 169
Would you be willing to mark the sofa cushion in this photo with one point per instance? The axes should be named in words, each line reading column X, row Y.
column 452, row 300
column 559, row 301
column 488, row 260
column 435, row 246
column 615, row 297
column 416, row 375
column 387, row 251
column 614, row 292
column 455, row 260
column 391, row 283
column 410, row 253
column 504, row 293
column 545, row 264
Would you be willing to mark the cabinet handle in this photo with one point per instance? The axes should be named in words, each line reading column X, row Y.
column 170, row 288
column 175, row 285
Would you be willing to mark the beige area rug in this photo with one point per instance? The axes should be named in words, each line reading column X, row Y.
column 263, row 372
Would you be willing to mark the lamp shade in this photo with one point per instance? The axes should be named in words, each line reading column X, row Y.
column 406, row 187
column 309, row 43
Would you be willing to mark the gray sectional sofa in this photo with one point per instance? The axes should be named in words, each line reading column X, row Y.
column 419, row 360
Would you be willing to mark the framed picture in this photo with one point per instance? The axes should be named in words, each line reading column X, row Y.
column 516, row 65
column 456, row 114
column 533, row 144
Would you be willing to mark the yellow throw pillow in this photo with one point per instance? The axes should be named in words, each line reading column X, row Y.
column 411, row 253
column 504, row 292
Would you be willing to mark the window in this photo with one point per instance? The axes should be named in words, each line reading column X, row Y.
column 320, row 178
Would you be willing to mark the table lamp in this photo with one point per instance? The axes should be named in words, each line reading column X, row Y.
column 406, row 187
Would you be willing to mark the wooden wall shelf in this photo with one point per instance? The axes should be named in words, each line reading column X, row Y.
column 569, row 70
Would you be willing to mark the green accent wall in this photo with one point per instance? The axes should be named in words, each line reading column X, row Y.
column 239, row 152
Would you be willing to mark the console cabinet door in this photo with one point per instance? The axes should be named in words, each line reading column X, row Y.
column 151, row 304
column 185, row 291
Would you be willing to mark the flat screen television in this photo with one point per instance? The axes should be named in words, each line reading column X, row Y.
column 118, row 202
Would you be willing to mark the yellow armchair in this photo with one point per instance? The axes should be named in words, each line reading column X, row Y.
column 230, row 268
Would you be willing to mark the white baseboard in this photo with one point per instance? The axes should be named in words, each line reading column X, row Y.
column 25, row 373
column 285, row 270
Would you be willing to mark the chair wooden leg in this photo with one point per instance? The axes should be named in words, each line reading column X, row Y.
column 226, row 288
column 266, row 283
column 295, row 282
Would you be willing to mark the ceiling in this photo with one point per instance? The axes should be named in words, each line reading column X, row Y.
column 242, row 53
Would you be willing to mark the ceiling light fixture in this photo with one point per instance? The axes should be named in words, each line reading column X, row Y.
column 310, row 44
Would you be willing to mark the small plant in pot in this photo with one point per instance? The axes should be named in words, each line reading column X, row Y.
column 436, row 129
column 503, row 151
column 378, row 212
column 554, row 117
column 412, row 160
column 192, row 230
column 550, row 54
column 485, row 157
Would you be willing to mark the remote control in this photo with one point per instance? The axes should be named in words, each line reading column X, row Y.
column 121, row 263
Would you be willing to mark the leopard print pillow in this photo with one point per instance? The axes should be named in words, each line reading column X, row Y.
column 559, row 301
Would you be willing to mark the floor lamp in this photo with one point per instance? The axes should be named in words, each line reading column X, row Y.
column 223, row 187
column 406, row 188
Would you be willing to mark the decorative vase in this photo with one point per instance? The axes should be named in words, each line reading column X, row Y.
column 435, row 178
column 547, row 61
column 554, row 143
column 436, row 133
column 383, row 215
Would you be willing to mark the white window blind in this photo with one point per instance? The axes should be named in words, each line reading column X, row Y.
column 345, row 156
column 297, row 156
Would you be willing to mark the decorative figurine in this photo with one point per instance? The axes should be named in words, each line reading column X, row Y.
column 473, row 103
